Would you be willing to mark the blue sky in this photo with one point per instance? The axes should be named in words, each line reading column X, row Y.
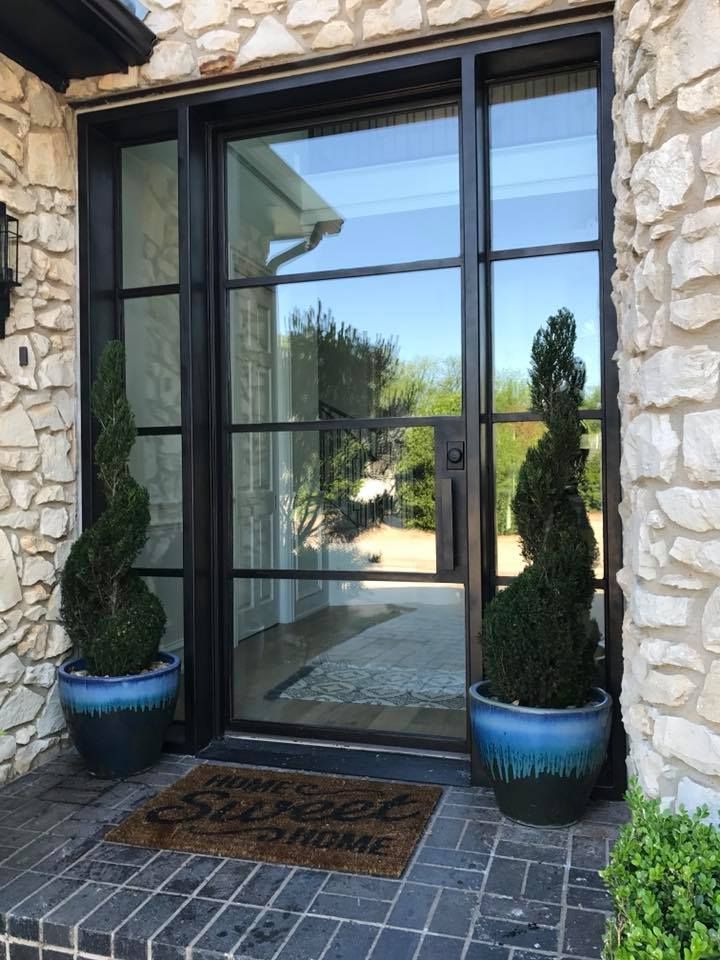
column 527, row 292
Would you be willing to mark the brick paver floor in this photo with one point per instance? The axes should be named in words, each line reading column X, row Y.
column 477, row 888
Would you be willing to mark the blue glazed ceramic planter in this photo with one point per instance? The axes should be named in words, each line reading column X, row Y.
column 542, row 763
column 118, row 724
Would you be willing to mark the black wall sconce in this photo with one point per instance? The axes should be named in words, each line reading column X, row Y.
column 9, row 247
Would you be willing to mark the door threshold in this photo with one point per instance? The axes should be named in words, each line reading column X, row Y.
column 344, row 745
column 361, row 760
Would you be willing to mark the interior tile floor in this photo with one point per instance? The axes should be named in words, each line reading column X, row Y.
column 477, row 888
column 329, row 669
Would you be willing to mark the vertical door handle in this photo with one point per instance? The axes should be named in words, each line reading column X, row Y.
column 445, row 534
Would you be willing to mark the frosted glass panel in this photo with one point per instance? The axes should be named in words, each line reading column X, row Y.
column 152, row 360
column 156, row 463
column 150, row 214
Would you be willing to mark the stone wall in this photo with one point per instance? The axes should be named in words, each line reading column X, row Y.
column 217, row 38
column 37, row 413
column 667, row 292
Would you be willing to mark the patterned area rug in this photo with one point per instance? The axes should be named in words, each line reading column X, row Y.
column 329, row 681
column 414, row 659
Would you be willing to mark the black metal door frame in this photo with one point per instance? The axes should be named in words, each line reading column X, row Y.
column 196, row 120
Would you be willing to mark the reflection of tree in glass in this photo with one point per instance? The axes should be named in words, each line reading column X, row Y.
column 357, row 479
column 590, row 488
column 345, row 481
column 434, row 385
column 438, row 386
column 352, row 480
column 512, row 441
column 351, row 374
column 512, row 393
column 325, row 481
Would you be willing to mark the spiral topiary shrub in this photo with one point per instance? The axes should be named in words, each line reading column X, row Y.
column 538, row 637
column 109, row 612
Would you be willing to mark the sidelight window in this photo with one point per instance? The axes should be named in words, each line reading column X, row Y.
column 149, row 301
column 544, row 255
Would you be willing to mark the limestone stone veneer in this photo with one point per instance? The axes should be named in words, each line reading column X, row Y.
column 667, row 294
column 220, row 37
column 37, row 414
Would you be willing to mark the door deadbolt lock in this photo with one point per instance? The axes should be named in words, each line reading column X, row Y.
column 456, row 455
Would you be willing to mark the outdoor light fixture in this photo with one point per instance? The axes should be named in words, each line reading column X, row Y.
column 8, row 263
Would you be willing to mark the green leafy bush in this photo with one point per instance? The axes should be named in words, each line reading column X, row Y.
column 664, row 878
column 109, row 612
column 538, row 637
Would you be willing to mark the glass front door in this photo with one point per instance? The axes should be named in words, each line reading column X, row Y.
column 346, row 427
column 343, row 327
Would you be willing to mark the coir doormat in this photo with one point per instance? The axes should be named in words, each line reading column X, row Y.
column 333, row 823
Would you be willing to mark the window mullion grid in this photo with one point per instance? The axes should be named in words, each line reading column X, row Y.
column 344, row 273
column 154, row 290
column 543, row 250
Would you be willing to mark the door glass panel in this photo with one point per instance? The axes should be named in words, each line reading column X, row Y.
column 152, row 360
column 543, row 160
column 364, row 655
column 372, row 190
column 356, row 347
column 150, row 214
column 170, row 592
column 156, row 463
column 597, row 612
column 525, row 293
column 512, row 441
column 335, row 500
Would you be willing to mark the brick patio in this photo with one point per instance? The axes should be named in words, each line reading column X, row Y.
column 477, row 887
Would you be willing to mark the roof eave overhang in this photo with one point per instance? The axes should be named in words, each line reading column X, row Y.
column 71, row 40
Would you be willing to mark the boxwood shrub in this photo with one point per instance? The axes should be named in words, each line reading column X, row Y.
column 664, row 879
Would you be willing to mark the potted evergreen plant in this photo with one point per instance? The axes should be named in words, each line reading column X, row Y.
column 540, row 726
column 119, row 695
